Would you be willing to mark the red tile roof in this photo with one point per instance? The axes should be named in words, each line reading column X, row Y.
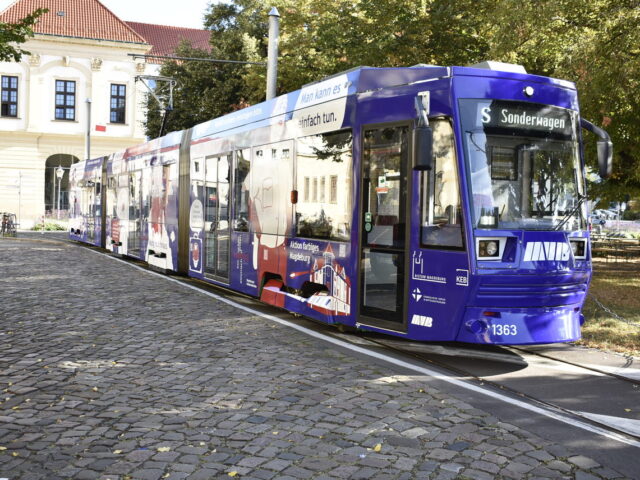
column 73, row 18
column 165, row 39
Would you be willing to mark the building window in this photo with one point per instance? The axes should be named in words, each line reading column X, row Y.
column 333, row 189
column 65, row 100
column 9, row 96
column 323, row 184
column 118, row 103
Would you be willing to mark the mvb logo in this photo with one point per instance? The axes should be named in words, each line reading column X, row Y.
column 422, row 321
column 546, row 251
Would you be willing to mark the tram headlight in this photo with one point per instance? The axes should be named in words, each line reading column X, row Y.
column 488, row 249
column 578, row 247
column 492, row 248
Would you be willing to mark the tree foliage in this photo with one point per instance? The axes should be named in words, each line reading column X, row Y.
column 14, row 34
column 203, row 91
column 595, row 44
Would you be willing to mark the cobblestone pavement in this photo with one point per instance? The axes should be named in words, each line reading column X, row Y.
column 109, row 372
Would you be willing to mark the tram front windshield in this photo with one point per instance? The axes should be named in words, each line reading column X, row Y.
column 523, row 164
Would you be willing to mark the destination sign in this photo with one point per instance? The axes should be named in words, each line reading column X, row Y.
column 524, row 116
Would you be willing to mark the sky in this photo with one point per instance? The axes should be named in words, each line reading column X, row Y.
column 183, row 13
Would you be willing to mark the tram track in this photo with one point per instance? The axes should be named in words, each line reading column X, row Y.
column 592, row 368
column 467, row 375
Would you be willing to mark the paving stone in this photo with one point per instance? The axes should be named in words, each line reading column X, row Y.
column 559, row 465
column 148, row 474
column 541, row 455
column 485, row 466
column 583, row 462
column 458, row 446
column 183, row 467
column 452, row 467
column 477, row 474
column 518, row 467
column 133, row 372
column 277, row 465
column 204, row 474
column 581, row 475
column 441, row 454
column 607, row 473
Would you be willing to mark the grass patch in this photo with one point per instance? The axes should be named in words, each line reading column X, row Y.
column 50, row 227
column 617, row 286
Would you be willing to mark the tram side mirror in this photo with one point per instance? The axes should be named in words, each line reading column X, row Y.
column 605, row 157
column 603, row 146
column 294, row 196
column 423, row 154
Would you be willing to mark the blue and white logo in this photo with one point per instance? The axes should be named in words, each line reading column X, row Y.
column 416, row 294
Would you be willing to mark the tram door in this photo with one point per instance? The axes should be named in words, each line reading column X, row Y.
column 135, row 210
column 88, row 209
column 217, row 228
column 383, row 244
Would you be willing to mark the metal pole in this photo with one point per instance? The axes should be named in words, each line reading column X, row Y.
column 272, row 56
column 59, row 174
column 88, row 140
column 19, row 197
column 58, row 200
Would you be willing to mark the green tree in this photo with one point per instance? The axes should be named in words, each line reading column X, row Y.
column 596, row 45
column 14, row 34
column 320, row 38
column 204, row 91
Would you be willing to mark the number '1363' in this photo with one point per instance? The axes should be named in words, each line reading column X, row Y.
column 504, row 330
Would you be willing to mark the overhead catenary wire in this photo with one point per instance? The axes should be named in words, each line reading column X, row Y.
column 196, row 59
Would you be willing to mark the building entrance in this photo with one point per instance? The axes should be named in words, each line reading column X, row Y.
column 51, row 183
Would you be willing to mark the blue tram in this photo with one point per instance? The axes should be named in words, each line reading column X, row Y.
column 431, row 203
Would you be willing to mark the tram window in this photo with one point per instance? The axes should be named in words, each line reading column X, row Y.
column 328, row 153
column 384, row 179
column 504, row 164
column 271, row 185
column 98, row 200
column 441, row 208
column 241, row 192
column 111, row 194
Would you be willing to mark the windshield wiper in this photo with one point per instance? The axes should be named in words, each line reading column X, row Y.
column 567, row 216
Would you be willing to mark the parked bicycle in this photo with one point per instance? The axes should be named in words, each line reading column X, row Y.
column 9, row 226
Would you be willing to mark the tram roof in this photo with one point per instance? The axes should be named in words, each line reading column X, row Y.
column 375, row 78
column 354, row 81
column 350, row 82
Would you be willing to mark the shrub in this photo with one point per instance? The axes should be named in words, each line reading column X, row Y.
column 49, row 227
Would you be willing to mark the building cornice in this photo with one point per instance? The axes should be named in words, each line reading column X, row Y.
column 87, row 42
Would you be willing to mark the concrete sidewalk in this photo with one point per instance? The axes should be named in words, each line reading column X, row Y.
column 109, row 372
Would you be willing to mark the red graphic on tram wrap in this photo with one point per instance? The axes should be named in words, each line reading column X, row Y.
column 115, row 230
